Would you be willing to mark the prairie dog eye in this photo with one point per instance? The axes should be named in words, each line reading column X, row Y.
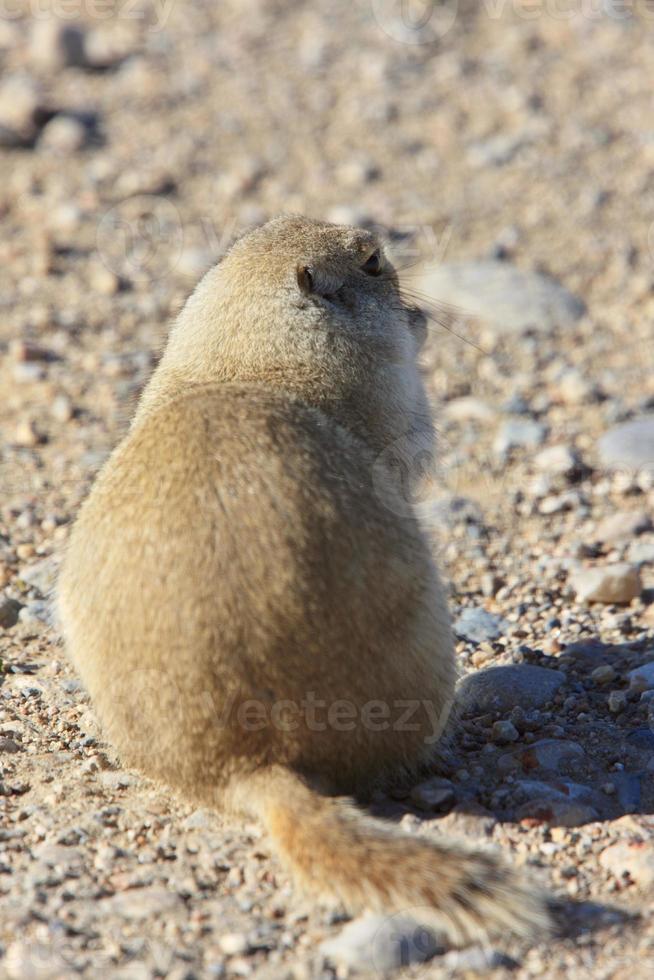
column 373, row 264
column 305, row 279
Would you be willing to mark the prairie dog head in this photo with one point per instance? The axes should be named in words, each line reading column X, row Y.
column 310, row 308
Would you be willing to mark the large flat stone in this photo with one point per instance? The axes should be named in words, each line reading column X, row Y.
column 477, row 625
column 629, row 445
column 507, row 299
column 502, row 688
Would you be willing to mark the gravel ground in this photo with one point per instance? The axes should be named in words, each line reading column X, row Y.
column 508, row 149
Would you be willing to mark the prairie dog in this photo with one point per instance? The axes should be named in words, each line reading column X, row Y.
column 250, row 615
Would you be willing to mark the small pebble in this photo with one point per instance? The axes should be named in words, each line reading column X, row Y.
column 477, row 625
column 629, row 446
column 558, row 460
column 603, row 675
column 63, row 135
column 103, row 281
column 549, row 754
column 381, row 943
column 434, row 794
column 508, row 299
column 642, row 678
column 26, row 434
column 234, row 943
column 633, row 858
column 62, row 409
column 617, row 701
column 518, row 434
column 9, row 611
column 623, row 525
column 504, row 731
column 618, row 583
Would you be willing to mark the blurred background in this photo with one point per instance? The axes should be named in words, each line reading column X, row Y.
column 136, row 139
column 506, row 147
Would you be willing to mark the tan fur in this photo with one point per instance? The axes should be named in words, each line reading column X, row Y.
column 244, row 548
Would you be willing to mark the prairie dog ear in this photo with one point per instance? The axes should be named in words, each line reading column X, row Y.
column 314, row 280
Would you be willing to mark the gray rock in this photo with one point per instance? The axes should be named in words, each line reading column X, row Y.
column 140, row 903
column 24, row 683
column 59, row 856
column 234, row 943
column 42, row 575
column 563, row 789
column 572, row 388
column 518, row 434
column 102, row 51
column 28, row 373
column 199, row 820
column 624, row 524
column 433, row 794
column 116, row 779
column 468, row 819
column 62, row 409
column 9, row 612
column 477, row 625
column 558, row 812
column 72, row 686
column 547, row 755
column 516, row 405
column 39, row 611
column 641, row 552
column 618, row 583
column 629, row 446
column 558, row 503
column 632, row 858
column 628, row 789
column 564, row 803
column 641, row 738
column 504, row 731
column 502, row 688
column 642, row 678
column 376, row 943
column 19, row 102
column 617, row 702
column 509, row 300
column 63, row 135
column 603, row 674
column 559, row 460
column 586, row 652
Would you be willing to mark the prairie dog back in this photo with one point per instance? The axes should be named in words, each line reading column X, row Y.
column 248, row 611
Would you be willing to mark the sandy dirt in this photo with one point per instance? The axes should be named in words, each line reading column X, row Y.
column 136, row 140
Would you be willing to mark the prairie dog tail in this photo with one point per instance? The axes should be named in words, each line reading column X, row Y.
column 339, row 854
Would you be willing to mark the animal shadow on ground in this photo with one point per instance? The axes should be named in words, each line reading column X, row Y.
column 561, row 747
